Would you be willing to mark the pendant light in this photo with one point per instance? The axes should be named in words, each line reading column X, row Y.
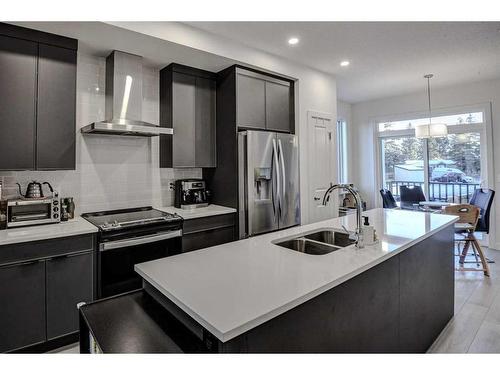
column 430, row 130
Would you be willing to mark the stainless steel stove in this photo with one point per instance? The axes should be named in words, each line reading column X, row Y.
column 130, row 236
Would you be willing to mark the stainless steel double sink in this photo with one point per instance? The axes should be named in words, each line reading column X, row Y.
column 321, row 242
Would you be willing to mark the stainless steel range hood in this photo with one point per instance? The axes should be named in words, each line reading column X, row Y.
column 124, row 100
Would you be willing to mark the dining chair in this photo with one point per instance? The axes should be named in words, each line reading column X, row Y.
column 464, row 232
column 388, row 200
column 483, row 198
column 411, row 195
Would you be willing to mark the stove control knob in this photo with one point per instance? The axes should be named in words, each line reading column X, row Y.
column 56, row 209
column 56, row 216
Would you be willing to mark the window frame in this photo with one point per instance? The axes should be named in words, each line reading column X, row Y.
column 342, row 152
column 485, row 130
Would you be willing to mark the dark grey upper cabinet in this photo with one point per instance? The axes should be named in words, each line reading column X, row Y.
column 22, row 297
column 263, row 101
column 56, row 109
column 37, row 99
column 278, row 106
column 18, row 69
column 205, row 122
column 69, row 281
column 250, row 102
column 183, row 119
column 188, row 104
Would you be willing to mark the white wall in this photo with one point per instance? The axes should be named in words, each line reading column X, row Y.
column 315, row 90
column 111, row 172
column 363, row 143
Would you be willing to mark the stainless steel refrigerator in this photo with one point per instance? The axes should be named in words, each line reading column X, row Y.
column 269, row 196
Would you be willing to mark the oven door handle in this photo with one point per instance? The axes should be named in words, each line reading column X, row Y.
column 139, row 240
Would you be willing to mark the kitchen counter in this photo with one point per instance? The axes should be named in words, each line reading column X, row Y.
column 230, row 289
column 211, row 210
column 72, row 227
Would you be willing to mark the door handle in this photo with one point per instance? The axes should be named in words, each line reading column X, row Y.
column 278, row 179
column 281, row 157
column 139, row 240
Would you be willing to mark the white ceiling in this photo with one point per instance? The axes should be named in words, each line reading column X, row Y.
column 387, row 58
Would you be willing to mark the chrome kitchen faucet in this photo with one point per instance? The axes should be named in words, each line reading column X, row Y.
column 358, row 234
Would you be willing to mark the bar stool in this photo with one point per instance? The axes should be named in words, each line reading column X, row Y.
column 464, row 232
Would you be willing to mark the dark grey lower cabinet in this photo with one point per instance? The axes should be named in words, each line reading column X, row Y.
column 41, row 283
column 427, row 283
column 208, row 231
column 69, row 281
column 22, row 305
column 213, row 237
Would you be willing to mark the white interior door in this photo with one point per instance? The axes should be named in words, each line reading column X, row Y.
column 321, row 164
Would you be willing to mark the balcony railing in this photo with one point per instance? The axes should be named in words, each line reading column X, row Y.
column 453, row 192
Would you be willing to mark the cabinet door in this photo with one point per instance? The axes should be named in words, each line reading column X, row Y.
column 427, row 279
column 250, row 102
column 183, row 104
column 205, row 123
column 22, row 301
column 56, row 127
column 69, row 281
column 278, row 105
column 201, row 240
column 18, row 59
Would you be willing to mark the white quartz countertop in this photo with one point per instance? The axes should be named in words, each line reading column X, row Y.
column 195, row 213
column 72, row 227
column 232, row 288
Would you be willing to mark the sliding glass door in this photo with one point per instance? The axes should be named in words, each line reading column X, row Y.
column 447, row 168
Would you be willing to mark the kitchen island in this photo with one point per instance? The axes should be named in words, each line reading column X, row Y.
column 255, row 296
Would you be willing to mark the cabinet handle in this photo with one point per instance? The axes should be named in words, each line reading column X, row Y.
column 10, row 265
column 70, row 255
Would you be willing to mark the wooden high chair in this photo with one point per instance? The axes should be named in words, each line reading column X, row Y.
column 464, row 232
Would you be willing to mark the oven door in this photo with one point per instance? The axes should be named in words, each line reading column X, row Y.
column 117, row 259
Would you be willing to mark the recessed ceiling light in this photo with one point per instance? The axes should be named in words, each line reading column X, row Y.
column 293, row 41
column 345, row 63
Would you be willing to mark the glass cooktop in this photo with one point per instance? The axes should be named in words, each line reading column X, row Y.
column 129, row 217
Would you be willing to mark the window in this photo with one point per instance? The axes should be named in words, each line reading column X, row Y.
column 447, row 168
column 342, row 151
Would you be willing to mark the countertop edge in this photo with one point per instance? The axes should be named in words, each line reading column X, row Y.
column 236, row 331
column 87, row 228
column 211, row 210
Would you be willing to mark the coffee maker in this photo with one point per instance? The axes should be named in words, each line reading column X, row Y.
column 191, row 193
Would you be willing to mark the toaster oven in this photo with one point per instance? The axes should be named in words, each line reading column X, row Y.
column 24, row 212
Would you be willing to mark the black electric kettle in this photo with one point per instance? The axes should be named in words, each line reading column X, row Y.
column 34, row 190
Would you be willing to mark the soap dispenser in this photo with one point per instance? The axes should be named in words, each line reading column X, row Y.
column 368, row 232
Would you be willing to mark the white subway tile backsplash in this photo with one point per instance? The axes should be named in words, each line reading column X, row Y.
column 111, row 172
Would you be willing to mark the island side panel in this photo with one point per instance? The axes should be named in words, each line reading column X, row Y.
column 427, row 281
column 358, row 316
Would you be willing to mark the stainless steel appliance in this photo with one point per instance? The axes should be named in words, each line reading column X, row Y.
column 269, row 197
column 124, row 100
column 130, row 236
column 34, row 190
column 191, row 193
column 23, row 212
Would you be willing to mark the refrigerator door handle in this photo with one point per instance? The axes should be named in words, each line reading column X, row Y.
column 278, row 178
column 282, row 168
column 273, row 201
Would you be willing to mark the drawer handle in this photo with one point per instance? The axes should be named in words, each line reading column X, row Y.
column 9, row 265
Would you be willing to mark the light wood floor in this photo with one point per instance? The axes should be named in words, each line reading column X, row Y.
column 475, row 328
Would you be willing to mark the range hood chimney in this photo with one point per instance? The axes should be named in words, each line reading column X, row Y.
column 124, row 100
